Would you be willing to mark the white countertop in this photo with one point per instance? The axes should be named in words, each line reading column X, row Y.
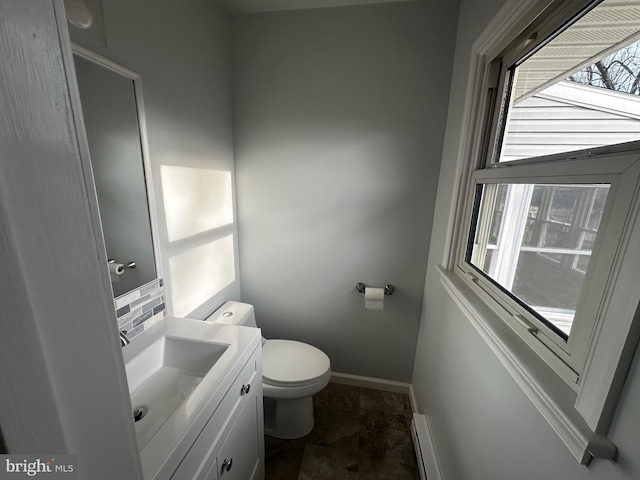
column 164, row 452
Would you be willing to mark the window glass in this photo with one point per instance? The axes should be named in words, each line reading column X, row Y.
column 535, row 241
column 581, row 90
column 200, row 273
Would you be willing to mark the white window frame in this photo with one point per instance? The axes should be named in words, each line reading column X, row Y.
column 579, row 407
column 622, row 173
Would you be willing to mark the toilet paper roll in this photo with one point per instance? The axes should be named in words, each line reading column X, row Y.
column 374, row 299
column 116, row 268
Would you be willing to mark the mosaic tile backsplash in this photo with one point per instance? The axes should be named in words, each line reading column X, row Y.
column 142, row 308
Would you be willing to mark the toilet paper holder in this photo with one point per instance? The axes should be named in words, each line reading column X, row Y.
column 388, row 289
column 129, row 264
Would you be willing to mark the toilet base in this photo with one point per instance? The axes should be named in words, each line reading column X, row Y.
column 288, row 418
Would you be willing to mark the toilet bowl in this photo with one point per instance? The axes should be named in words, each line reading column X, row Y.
column 292, row 372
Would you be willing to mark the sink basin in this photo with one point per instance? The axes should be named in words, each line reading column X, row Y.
column 163, row 376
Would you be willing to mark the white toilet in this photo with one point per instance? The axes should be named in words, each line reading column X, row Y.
column 292, row 372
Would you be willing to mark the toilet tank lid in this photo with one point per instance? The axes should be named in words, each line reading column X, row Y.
column 287, row 362
column 238, row 309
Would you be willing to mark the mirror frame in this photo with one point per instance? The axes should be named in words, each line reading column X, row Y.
column 109, row 64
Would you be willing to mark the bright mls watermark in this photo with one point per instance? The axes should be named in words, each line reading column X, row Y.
column 51, row 467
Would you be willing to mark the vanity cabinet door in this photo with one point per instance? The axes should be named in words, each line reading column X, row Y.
column 239, row 457
column 239, row 415
column 213, row 473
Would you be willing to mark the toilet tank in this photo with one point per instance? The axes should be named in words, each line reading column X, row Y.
column 234, row 313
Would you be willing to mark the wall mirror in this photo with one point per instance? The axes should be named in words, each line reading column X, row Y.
column 111, row 98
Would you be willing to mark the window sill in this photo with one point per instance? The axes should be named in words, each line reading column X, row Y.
column 551, row 395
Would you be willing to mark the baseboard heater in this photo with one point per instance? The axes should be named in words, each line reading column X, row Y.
column 425, row 451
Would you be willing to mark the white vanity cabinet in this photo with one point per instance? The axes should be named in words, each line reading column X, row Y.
column 231, row 444
column 239, row 455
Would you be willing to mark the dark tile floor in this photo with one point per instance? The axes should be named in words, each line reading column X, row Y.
column 359, row 434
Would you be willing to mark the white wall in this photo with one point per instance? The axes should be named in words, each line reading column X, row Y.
column 484, row 426
column 180, row 49
column 339, row 118
column 63, row 384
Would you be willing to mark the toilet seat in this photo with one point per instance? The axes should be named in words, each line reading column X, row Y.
column 287, row 363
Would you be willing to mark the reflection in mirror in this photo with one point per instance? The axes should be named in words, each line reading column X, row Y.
column 112, row 110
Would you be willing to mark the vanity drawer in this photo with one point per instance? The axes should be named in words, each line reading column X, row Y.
column 201, row 456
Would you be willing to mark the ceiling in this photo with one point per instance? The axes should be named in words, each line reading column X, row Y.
column 251, row 6
column 612, row 22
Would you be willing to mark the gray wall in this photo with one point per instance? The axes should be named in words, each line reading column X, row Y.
column 180, row 49
column 339, row 118
column 483, row 425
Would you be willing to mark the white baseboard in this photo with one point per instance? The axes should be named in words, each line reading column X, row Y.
column 425, row 450
column 413, row 399
column 370, row 382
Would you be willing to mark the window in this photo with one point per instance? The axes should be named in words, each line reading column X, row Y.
column 536, row 242
column 201, row 234
column 548, row 210
column 540, row 243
